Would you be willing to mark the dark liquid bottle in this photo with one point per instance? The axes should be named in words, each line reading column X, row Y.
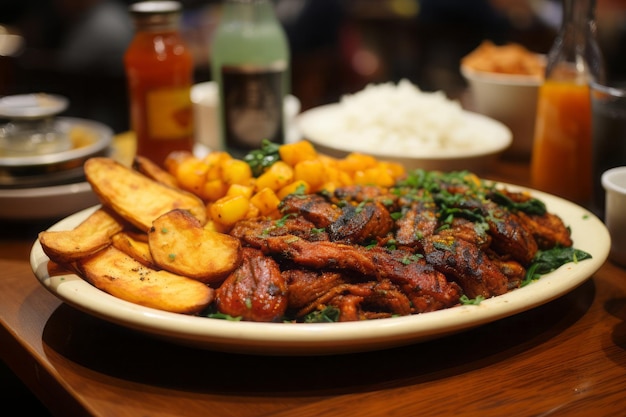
column 250, row 63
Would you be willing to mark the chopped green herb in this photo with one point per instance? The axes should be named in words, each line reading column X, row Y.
column 329, row 314
column 465, row 300
column 548, row 260
column 263, row 158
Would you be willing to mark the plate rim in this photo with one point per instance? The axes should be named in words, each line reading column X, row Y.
column 331, row 338
column 104, row 139
column 492, row 149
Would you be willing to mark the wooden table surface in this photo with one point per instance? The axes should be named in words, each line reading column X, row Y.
column 565, row 358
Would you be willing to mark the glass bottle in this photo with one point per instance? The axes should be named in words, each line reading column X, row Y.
column 159, row 70
column 250, row 63
column 562, row 150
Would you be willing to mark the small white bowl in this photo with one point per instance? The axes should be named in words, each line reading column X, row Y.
column 510, row 99
column 324, row 128
column 206, row 122
column 614, row 183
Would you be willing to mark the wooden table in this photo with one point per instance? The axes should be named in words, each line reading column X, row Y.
column 564, row 358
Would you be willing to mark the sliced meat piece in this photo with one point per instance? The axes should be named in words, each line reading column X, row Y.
column 256, row 291
column 361, row 193
column 312, row 207
column 548, row 230
column 358, row 224
column 371, row 300
column 252, row 232
column 417, row 222
column 510, row 234
column 305, row 286
column 466, row 264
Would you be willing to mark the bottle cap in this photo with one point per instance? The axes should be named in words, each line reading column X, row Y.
column 155, row 7
column 155, row 14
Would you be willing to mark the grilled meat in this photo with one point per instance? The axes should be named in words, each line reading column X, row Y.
column 428, row 289
column 313, row 207
column 252, row 232
column 548, row 230
column 418, row 221
column 358, row 224
column 451, row 237
column 369, row 300
column 469, row 266
column 305, row 285
column 255, row 291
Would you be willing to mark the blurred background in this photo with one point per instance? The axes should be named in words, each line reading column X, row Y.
column 75, row 47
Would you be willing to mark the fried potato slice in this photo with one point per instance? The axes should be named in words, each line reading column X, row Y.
column 135, row 197
column 134, row 246
column 151, row 170
column 116, row 273
column 180, row 244
column 91, row 235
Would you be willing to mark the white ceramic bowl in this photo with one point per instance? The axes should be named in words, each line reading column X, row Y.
column 324, row 128
column 510, row 99
column 614, row 183
column 206, row 122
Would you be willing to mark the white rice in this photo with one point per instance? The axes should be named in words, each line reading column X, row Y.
column 403, row 118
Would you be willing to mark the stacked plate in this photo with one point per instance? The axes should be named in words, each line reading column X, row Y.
column 43, row 178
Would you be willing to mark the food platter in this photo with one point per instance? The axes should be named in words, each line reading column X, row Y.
column 325, row 127
column 588, row 232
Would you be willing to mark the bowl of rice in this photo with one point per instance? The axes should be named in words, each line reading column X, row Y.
column 401, row 123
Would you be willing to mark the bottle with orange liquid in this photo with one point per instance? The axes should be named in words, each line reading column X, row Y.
column 562, row 152
column 159, row 70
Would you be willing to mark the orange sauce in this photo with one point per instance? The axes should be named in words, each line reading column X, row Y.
column 561, row 160
column 160, row 74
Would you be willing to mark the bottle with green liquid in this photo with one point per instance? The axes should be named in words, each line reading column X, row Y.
column 250, row 64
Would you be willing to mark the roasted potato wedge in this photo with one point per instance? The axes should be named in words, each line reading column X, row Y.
column 151, row 170
column 135, row 197
column 93, row 234
column 180, row 244
column 135, row 247
column 116, row 273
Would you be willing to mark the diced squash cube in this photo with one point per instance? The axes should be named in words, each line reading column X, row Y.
column 276, row 177
column 301, row 187
column 395, row 169
column 292, row 153
column 236, row 171
column 191, row 175
column 215, row 164
column 229, row 210
column 213, row 190
column 356, row 162
column 238, row 189
column 310, row 171
column 266, row 201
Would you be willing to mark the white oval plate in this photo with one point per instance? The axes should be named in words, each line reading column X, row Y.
column 324, row 127
column 53, row 202
column 588, row 232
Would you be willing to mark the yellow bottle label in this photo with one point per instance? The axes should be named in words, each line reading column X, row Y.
column 169, row 113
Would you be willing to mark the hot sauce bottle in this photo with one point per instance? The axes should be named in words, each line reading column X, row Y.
column 562, row 152
column 159, row 70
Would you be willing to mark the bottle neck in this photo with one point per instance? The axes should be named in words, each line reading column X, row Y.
column 575, row 53
column 249, row 11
